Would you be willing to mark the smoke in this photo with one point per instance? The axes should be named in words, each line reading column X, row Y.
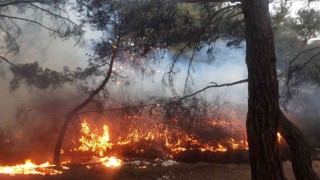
column 30, row 117
column 30, row 121
column 228, row 66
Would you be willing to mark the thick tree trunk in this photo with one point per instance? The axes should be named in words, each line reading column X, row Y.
column 263, row 103
column 301, row 158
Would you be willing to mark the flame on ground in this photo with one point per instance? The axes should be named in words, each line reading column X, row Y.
column 111, row 162
column 100, row 141
column 93, row 141
column 30, row 168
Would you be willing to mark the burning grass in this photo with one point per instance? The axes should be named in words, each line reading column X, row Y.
column 152, row 140
column 112, row 142
column 108, row 143
column 30, row 168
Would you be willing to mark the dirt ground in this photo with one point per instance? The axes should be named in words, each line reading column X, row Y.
column 181, row 171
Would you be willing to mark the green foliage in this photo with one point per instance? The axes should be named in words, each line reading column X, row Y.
column 33, row 75
column 152, row 24
column 293, row 35
column 308, row 24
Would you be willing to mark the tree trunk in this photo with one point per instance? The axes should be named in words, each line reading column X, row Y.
column 76, row 109
column 301, row 158
column 72, row 113
column 263, row 103
column 67, row 120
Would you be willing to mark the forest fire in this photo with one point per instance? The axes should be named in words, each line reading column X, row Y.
column 30, row 168
column 101, row 144
column 92, row 141
column 105, row 142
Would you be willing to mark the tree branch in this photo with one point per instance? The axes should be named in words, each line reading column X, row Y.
column 214, row 86
column 32, row 21
column 109, row 109
column 53, row 14
column 170, row 74
column 286, row 90
column 302, row 52
column 9, row 62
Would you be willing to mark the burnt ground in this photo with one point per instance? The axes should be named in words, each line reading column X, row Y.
column 182, row 171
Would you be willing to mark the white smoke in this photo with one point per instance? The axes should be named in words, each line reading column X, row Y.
column 228, row 66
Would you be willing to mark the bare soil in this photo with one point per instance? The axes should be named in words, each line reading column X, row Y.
column 182, row 171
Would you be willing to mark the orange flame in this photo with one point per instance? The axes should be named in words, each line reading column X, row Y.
column 100, row 141
column 93, row 141
column 111, row 162
column 29, row 168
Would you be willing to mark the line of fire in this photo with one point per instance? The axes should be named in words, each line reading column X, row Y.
column 113, row 141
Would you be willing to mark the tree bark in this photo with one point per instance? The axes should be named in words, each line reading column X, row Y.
column 301, row 158
column 263, row 102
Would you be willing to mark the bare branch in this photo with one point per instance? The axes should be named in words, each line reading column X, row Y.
column 302, row 52
column 309, row 60
column 9, row 62
column 197, row 39
column 32, row 21
column 290, row 72
column 53, row 14
column 109, row 109
column 214, row 86
column 287, row 89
